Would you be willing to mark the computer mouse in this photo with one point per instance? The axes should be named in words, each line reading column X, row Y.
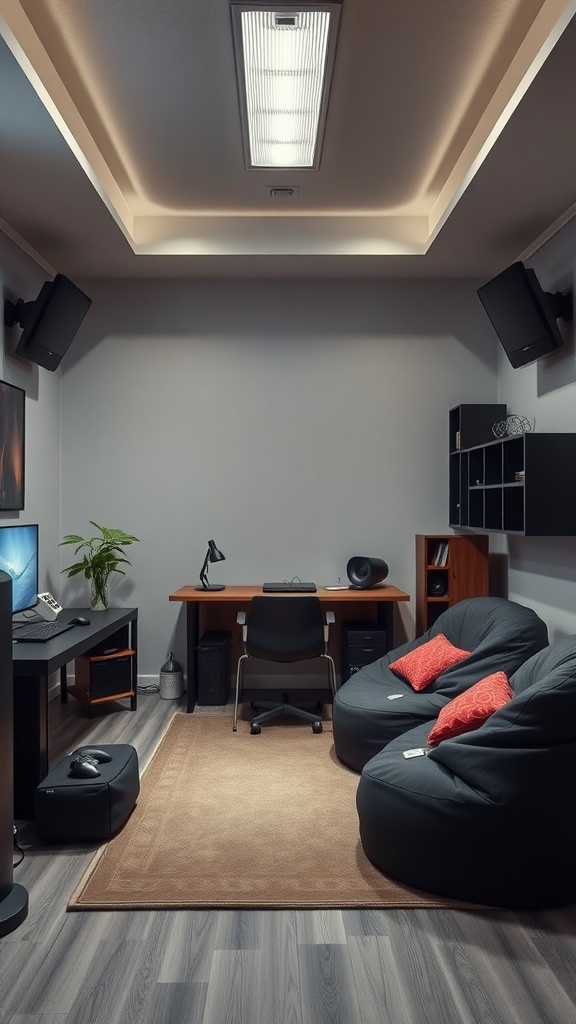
column 101, row 756
column 79, row 620
column 84, row 767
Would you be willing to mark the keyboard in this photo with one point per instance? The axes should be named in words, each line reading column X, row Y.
column 296, row 587
column 38, row 632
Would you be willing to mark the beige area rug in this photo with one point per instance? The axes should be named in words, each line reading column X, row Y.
column 228, row 820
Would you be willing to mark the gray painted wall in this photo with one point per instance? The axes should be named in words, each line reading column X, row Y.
column 542, row 571
column 297, row 423
column 20, row 277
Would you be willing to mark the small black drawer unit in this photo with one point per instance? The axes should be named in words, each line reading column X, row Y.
column 362, row 643
column 214, row 654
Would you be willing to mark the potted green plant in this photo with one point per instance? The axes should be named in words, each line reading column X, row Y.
column 103, row 555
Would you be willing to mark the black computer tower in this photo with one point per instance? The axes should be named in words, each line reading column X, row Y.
column 214, row 654
column 362, row 643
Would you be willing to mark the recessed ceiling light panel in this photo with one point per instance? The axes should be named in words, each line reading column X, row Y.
column 284, row 60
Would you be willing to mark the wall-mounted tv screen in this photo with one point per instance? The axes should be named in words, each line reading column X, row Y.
column 49, row 322
column 523, row 315
column 19, row 558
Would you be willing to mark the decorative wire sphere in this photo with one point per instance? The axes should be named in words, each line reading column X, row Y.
column 512, row 425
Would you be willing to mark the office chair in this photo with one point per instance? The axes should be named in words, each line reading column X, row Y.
column 284, row 629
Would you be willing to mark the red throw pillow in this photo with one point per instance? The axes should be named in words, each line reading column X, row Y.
column 468, row 710
column 425, row 663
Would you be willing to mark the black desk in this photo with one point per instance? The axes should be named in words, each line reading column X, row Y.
column 33, row 664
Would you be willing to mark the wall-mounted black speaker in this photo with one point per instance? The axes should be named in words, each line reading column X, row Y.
column 437, row 584
column 523, row 315
column 366, row 572
column 49, row 322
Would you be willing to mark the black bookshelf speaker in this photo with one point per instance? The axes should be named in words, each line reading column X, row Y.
column 366, row 572
column 437, row 584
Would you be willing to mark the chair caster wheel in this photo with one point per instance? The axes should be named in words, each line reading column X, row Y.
column 317, row 727
column 255, row 729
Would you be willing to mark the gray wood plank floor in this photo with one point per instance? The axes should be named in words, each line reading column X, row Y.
column 265, row 967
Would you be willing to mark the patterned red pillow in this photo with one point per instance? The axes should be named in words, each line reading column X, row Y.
column 425, row 663
column 468, row 710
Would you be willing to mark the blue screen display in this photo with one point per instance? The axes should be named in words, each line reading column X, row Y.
column 19, row 558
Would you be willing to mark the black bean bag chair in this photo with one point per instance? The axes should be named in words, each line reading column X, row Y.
column 367, row 711
column 487, row 816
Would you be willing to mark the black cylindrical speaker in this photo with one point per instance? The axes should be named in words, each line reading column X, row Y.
column 437, row 584
column 366, row 572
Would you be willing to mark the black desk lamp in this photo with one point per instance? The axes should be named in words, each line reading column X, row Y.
column 212, row 555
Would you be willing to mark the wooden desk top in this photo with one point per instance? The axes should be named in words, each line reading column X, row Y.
column 239, row 594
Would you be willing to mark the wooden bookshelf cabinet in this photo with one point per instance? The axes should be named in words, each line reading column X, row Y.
column 464, row 573
column 517, row 484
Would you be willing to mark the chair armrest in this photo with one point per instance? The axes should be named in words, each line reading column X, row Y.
column 241, row 620
column 330, row 620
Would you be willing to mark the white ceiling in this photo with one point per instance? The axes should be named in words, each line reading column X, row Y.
column 449, row 149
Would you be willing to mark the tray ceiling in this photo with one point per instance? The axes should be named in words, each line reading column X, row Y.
column 448, row 148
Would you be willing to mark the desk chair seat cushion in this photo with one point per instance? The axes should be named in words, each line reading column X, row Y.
column 376, row 704
column 485, row 816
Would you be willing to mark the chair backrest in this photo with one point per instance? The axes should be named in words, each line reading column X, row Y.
column 285, row 629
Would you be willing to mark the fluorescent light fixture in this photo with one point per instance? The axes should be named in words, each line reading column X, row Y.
column 284, row 60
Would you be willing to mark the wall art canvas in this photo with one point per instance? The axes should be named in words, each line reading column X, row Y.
column 11, row 447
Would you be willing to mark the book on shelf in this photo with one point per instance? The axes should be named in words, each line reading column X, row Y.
column 436, row 554
column 440, row 557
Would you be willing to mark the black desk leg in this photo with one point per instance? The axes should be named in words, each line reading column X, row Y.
column 192, row 623
column 64, row 684
column 30, row 741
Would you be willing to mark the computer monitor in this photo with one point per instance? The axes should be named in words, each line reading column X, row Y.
column 19, row 558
